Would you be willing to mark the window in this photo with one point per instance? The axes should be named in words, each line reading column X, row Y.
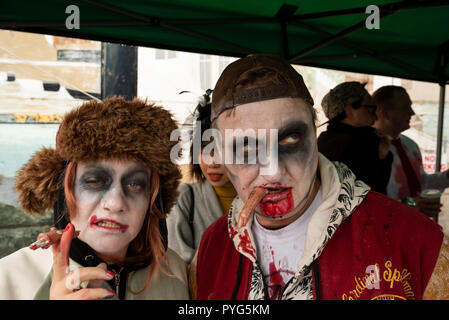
column 41, row 78
column 223, row 63
column 165, row 54
column 205, row 72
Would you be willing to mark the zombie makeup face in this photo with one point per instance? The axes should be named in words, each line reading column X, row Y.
column 290, row 186
column 112, row 199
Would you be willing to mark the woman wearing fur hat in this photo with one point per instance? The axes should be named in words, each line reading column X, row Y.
column 349, row 137
column 204, row 201
column 110, row 178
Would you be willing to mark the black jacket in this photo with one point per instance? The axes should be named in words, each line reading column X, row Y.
column 83, row 254
column 358, row 148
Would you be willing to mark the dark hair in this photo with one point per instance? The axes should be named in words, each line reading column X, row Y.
column 203, row 112
column 383, row 96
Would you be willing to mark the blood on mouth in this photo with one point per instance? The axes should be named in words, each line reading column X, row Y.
column 274, row 190
column 107, row 224
column 278, row 202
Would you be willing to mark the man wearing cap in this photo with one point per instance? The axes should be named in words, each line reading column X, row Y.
column 349, row 137
column 407, row 179
column 317, row 233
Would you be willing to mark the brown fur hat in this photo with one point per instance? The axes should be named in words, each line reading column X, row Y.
column 109, row 129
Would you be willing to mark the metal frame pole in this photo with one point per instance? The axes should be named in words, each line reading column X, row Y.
column 118, row 71
column 440, row 126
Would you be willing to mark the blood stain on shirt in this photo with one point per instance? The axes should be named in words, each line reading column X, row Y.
column 276, row 283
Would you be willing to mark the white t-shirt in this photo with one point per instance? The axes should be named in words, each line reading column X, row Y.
column 279, row 251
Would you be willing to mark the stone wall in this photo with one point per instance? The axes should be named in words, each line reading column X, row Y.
column 19, row 229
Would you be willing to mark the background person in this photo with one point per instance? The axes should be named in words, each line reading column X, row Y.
column 349, row 137
column 200, row 203
column 111, row 178
column 407, row 178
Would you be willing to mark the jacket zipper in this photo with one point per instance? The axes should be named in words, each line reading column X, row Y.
column 117, row 282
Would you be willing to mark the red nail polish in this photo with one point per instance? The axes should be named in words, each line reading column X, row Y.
column 33, row 246
column 67, row 228
column 110, row 273
column 112, row 293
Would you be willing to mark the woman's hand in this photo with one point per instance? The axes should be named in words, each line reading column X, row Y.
column 66, row 283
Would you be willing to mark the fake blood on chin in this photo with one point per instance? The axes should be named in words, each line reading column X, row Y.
column 277, row 204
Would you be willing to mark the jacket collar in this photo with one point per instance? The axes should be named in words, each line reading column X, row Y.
column 84, row 255
column 343, row 127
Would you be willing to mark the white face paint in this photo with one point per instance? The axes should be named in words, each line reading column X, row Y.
column 112, row 199
column 291, row 184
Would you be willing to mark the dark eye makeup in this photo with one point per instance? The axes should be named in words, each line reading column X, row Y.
column 293, row 137
column 99, row 179
column 136, row 182
column 95, row 179
column 292, row 140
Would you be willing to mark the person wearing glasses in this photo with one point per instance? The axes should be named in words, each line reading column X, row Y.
column 349, row 137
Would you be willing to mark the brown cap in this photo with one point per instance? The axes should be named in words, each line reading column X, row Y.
column 290, row 84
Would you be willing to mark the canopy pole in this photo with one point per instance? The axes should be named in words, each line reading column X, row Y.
column 440, row 126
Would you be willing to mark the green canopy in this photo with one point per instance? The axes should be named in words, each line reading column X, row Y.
column 412, row 41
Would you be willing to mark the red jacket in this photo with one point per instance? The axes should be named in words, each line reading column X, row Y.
column 383, row 250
